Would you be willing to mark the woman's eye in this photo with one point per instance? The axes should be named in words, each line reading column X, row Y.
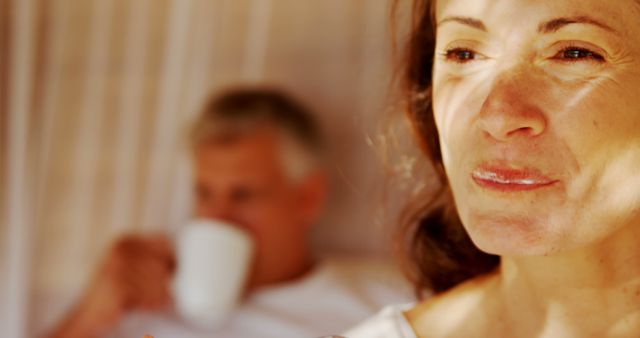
column 460, row 55
column 573, row 54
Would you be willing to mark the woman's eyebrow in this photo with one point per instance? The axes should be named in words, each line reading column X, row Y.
column 465, row 20
column 554, row 25
column 546, row 27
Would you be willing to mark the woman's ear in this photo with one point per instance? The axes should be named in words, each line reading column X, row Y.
column 312, row 196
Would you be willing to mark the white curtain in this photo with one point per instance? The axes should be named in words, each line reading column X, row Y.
column 94, row 99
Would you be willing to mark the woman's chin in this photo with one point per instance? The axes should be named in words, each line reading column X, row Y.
column 511, row 236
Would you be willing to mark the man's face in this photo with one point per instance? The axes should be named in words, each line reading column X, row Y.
column 244, row 182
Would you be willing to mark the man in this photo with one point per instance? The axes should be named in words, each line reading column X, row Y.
column 257, row 165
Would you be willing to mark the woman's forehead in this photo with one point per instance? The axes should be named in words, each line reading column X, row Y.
column 621, row 15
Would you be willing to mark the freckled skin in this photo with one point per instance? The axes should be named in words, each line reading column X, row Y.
column 589, row 111
column 563, row 100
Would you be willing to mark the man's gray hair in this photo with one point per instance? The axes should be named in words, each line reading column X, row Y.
column 239, row 112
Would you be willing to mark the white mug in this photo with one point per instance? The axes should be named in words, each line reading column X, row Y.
column 213, row 260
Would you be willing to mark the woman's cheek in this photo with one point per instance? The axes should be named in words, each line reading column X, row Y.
column 599, row 123
column 457, row 103
column 445, row 116
column 445, row 151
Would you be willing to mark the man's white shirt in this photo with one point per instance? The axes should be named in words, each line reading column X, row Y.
column 336, row 295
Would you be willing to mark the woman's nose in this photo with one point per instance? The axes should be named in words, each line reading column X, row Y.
column 511, row 111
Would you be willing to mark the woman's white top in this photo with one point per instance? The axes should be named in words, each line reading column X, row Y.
column 388, row 323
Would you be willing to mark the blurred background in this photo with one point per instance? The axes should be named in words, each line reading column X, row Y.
column 95, row 97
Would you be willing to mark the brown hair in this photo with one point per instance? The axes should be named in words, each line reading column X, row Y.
column 437, row 252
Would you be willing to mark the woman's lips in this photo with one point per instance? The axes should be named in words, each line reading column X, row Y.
column 508, row 179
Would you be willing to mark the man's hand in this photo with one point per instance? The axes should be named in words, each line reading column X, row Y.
column 135, row 274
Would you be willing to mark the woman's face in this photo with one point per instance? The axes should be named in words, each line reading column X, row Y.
column 537, row 103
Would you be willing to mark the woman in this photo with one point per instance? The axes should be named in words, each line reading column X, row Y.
column 532, row 108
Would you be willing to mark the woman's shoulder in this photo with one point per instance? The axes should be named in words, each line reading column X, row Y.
column 452, row 313
column 455, row 311
column 388, row 323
